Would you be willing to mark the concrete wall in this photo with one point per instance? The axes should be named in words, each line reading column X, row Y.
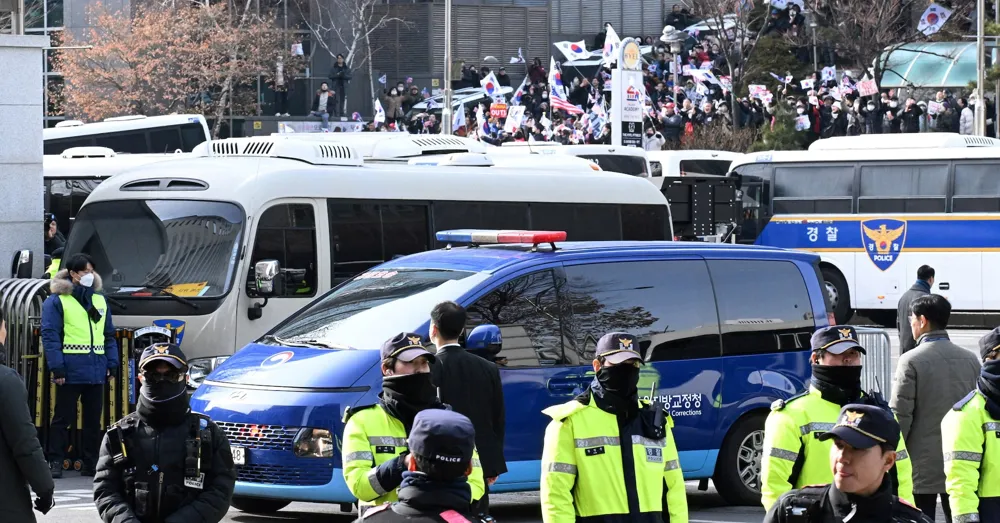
column 21, row 148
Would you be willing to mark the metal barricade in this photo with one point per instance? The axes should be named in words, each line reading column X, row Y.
column 21, row 305
column 877, row 363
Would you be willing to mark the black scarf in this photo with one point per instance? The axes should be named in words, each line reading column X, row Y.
column 877, row 507
column 427, row 495
column 167, row 413
column 838, row 384
column 622, row 407
column 989, row 386
column 403, row 396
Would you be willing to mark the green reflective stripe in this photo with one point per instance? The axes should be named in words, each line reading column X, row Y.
column 784, row 454
column 967, row 518
column 963, row 456
column 373, row 481
column 649, row 442
column 386, row 441
column 597, row 442
column 359, row 456
column 672, row 465
column 989, row 427
column 815, row 427
column 565, row 468
column 901, row 455
column 476, row 463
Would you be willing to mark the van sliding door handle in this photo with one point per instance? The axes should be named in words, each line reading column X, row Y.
column 944, row 286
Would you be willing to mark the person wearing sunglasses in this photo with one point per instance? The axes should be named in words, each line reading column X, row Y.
column 164, row 462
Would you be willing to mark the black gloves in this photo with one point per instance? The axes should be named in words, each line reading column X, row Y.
column 44, row 502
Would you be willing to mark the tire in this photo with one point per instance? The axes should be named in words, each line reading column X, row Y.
column 886, row 318
column 258, row 505
column 838, row 293
column 738, row 469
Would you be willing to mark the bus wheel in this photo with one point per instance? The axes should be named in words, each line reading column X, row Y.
column 737, row 472
column 258, row 505
column 840, row 296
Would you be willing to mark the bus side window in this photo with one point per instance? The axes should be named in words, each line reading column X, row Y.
column 287, row 233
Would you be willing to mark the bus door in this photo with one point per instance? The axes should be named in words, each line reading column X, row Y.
column 755, row 187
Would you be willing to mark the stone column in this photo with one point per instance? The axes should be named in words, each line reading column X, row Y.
column 21, row 112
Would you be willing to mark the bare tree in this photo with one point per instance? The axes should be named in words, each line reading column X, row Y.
column 721, row 138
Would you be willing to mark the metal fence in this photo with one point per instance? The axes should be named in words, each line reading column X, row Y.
column 877, row 363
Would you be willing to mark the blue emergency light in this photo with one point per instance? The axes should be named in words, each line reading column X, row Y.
column 490, row 237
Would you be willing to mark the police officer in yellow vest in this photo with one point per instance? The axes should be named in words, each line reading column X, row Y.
column 374, row 450
column 80, row 351
column 971, row 443
column 608, row 455
column 794, row 456
column 53, row 268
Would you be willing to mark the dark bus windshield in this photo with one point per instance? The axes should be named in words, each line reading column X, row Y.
column 188, row 247
column 634, row 165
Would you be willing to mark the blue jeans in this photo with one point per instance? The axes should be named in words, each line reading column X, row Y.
column 324, row 115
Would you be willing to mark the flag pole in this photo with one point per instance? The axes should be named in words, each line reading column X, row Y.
column 446, row 111
column 980, row 114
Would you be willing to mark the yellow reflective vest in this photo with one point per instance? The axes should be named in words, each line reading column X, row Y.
column 583, row 474
column 970, row 439
column 80, row 335
column 372, row 436
column 53, row 268
column 791, row 445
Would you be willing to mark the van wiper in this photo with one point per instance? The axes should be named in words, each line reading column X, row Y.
column 162, row 291
column 307, row 344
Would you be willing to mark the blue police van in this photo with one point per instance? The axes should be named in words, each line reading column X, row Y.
column 724, row 330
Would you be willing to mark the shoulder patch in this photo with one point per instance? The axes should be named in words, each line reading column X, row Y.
column 350, row 411
column 564, row 410
column 962, row 402
column 376, row 510
column 779, row 404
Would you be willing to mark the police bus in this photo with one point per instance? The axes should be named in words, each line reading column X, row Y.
column 130, row 134
column 178, row 242
column 878, row 207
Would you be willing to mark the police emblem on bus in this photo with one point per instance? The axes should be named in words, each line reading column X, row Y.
column 277, row 359
column 883, row 240
column 172, row 324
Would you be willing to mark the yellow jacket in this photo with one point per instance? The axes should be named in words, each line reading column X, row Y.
column 970, row 440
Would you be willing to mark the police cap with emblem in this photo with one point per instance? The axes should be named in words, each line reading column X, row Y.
column 618, row 347
column 864, row 426
column 989, row 343
column 836, row 339
column 442, row 435
column 405, row 346
column 167, row 352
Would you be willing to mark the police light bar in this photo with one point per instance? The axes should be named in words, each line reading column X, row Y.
column 487, row 237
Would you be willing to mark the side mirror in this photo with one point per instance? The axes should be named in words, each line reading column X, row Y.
column 266, row 274
column 485, row 338
column 20, row 267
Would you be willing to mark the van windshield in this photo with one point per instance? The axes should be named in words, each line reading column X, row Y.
column 374, row 306
column 634, row 165
column 184, row 247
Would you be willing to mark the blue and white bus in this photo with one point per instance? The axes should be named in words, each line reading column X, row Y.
column 875, row 208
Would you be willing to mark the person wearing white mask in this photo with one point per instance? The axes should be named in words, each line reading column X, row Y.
column 80, row 353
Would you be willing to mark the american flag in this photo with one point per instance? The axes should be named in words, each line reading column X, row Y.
column 557, row 94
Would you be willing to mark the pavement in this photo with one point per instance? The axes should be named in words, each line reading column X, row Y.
column 74, row 494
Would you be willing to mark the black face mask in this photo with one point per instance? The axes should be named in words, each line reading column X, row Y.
column 838, row 384
column 162, row 403
column 989, row 385
column 405, row 395
column 620, row 380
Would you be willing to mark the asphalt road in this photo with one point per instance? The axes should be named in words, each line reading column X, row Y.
column 74, row 496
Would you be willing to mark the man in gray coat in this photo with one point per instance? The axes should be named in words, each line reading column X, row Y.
column 22, row 462
column 930, row 379
column 925, row 280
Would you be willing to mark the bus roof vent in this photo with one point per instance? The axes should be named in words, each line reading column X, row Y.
column 125, row 118
column 88, row 152
column 68, row 123
column 387, row 146
column 903, row 141
column 165, row 184
column 309, row 151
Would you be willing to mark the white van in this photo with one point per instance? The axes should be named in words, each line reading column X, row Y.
column 179, row 242
column 690, row 163
column 626, row 160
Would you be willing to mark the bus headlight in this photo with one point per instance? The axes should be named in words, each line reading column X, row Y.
column 200, row 368
column 313, row 443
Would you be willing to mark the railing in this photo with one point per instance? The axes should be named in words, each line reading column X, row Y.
column 877, row 363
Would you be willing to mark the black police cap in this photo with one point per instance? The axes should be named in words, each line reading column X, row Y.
column 617, row 347
column 864, row 426
column 836, row 339
column 989, row 343
column 442, row 435
column 167, row 352
column 406, row 346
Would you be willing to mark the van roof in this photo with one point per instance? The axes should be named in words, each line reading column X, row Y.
column 495, row 258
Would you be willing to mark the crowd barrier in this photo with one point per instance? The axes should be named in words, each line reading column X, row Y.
column 877, row 363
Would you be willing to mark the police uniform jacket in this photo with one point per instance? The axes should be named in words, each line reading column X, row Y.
column 150, row 486
column 794, row 456
column 595, row 469
column 77, row 348
column 426, row 501
column 372, row 437
column 826, row 504
column 971, row 445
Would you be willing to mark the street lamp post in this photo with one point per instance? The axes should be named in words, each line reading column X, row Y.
column 446, row 118
column 675, row 39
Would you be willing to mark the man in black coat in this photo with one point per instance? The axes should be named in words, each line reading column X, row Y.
column 471, row 385
column 922, row 287
column 22, row 462
column 340, row 76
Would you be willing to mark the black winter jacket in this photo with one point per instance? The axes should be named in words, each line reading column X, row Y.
column 22, row 462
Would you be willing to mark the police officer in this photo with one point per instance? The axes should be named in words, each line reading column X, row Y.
column 375, row 447
column 435, row 485
column 607, row 455
column 971, row 443
column 80, row 352
column 794, row 456
column 864, row 441
column 164, row 463
column 53, row 268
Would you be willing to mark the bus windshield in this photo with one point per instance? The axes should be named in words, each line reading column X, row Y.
column 376, row 302
column 183, row 247
column 633, row 165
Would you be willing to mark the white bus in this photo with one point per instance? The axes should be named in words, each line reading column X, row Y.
column 178, row 242
column 695, row 162
column 130, row 134
column 878, row 207
column 626, row 160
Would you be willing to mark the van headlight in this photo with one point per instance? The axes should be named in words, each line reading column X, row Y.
column 200, row 368
column 313, row 443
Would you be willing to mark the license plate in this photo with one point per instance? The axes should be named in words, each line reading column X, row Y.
column 239, row 455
